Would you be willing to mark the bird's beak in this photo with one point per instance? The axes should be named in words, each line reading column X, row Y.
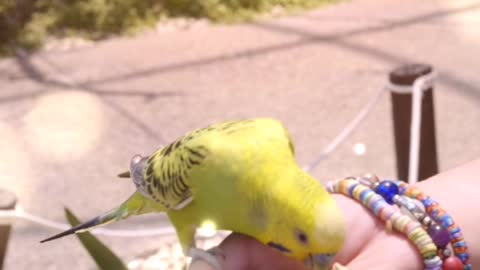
column 319, row 261
column 124, row 175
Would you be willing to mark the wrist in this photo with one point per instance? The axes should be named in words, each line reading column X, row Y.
column 367, row 237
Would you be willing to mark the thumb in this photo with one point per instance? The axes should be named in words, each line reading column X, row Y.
column 242, row 252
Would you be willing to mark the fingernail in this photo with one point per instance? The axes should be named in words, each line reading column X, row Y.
column 338, row 266
column 200, row 265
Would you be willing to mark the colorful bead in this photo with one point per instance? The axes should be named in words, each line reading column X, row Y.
column 439, row 215
column 359, row 190
column 366, row 193
column 350, row 189
column 412, row 208
column 463, row 256
column 387, row 189
column 427, row 221
column 386, row 213
column 418, row 209
column 379, row 205
column 433, row 263
column 452, row 263
column 371, row 178
column 447, row 221
column 439, row 235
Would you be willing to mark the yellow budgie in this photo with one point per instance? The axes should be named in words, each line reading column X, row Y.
column 242, row 176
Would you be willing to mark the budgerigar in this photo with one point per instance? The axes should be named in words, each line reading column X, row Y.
column 243, row 177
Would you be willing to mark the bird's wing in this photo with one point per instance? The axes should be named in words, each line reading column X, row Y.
column 167, row 172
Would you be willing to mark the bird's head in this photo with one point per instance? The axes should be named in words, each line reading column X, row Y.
column 309, row 227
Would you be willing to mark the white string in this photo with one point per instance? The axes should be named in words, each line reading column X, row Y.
column 18, row 212
column 343, row 135
column 407, row 89
column 421, row 83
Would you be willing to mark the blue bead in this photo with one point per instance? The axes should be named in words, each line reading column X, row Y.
column 460, row 244
column 447, row 221
column 387, row 189
column 427, row 202
column 454, row 230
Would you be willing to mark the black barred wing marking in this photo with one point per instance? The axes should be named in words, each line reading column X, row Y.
column 167, row 174
column 167, row 171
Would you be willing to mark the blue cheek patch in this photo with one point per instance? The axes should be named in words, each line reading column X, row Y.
column 278, row 247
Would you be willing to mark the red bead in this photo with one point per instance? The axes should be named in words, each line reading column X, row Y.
column 452, row 263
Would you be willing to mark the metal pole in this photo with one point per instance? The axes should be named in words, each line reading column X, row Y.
column 402, row 112
column 8, row 201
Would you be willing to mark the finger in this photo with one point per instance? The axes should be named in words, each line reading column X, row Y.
column 361, row 226
column 243, row 252
column 211, row 259
column 236, row 248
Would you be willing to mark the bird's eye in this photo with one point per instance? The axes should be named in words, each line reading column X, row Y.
column 301, row 236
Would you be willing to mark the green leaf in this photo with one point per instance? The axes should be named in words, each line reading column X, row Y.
column 103, row 256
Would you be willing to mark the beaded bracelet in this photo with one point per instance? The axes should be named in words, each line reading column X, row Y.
column 439, row 215
column 420, row 218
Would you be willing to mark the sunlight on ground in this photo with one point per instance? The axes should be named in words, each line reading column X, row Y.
column 464, row 19
column 359, row 149
column 65, row 125
column 15, row 167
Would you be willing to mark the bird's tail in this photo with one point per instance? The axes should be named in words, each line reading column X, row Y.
column 135, row 205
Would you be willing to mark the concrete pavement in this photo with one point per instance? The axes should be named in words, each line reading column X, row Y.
column 70, row 120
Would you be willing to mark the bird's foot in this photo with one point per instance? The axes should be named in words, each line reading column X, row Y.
column 214, row 256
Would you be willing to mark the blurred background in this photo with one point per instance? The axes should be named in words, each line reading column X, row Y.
column 85, row 85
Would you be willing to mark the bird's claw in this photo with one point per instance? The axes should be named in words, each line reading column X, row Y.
column 214, row 257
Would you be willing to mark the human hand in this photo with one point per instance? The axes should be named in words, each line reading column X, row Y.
column 368, row 246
